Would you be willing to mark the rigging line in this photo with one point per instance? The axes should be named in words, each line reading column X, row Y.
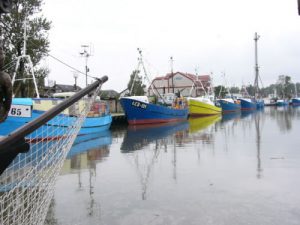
column 7, row 68
column 71, row 67
column 9, row 65
column 65, row 64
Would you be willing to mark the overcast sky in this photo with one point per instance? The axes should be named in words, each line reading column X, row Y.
column 210, row 35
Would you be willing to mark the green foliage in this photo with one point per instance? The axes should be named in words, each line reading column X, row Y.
column 220, row 91
column 251, row 90
column 136, row 84
column 234, row 90
column 12, row 30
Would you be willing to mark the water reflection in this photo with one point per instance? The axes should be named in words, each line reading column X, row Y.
column 257, row 120
column 151, row 174
column 284, row 117
column 200, row 123
column 145, row 142
column 86, row 152
column 137, row 137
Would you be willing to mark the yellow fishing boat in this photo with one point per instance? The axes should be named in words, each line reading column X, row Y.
column 203, row 106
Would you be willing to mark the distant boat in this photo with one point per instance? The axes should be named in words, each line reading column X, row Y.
column 138, row 110
column 229, row 105
column 247, row 104
column 260, row 103
column 282, row 102
column 296, row 101
column 202, row 106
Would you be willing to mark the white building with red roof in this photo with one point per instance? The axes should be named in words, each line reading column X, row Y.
column 187, row 84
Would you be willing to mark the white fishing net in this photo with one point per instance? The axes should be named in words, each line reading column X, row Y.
column 27, row 185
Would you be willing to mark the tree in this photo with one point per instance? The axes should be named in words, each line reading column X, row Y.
column 12, row 30
column 234, row 90
column 220, row 91
column 136, row 84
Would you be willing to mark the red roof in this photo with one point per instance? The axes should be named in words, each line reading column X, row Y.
column 203, row 78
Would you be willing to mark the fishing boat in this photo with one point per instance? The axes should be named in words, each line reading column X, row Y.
column 229, row 105
column 24, row 110
column 260, row 103
column 247, row 104
column 296, row 101
column 282, row 102
column 138, row 110
column 203, row 106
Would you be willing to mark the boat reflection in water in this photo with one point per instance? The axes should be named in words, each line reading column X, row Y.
column 140, row 136
column 201, row 132
column 94, row 141
column 143, row 144
column 87, row 150
column 231, row 116
column 200, row 123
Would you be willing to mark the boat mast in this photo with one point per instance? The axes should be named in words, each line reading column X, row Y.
column 256, row 38
column 28, row 58
column 171, row 65
column 141, row 63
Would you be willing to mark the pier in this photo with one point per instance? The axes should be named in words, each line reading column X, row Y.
column 118, row 118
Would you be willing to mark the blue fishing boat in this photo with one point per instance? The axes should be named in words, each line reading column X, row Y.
column 260, row 103
column 138, row 110
column 282, row 102
column 24, row 110
column 295, row 101
column 229, row 105
column 247, row 104
column 166, row 107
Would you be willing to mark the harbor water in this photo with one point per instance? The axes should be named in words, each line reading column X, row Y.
column 233, row 170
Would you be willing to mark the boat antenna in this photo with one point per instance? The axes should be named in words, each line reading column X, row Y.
column 86, row 54
column 28, row 58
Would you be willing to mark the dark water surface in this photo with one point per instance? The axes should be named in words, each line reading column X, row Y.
column 236, row 170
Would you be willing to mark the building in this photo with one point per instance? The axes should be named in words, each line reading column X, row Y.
column 59, row 88
column 112, row 97
column 185, row 83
